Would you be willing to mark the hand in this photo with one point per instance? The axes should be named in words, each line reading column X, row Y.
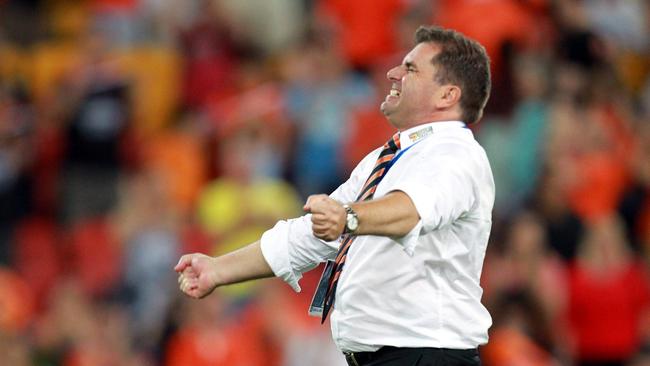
column 198, row 275
column 327, row 216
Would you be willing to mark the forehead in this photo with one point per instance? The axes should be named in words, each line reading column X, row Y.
column 422, row 54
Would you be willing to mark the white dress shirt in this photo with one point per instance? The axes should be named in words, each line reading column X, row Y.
column 420, row 290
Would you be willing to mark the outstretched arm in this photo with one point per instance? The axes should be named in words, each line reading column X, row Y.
column 200, row 274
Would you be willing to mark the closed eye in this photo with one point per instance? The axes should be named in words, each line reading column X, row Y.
column 410, row 67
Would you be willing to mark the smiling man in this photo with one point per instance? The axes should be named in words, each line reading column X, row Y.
column 406, row 235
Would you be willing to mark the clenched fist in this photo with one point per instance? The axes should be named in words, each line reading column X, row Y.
column 327, row 216
column 197, row 275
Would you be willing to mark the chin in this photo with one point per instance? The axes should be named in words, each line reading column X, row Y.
column 386, row 109
column 390, row 117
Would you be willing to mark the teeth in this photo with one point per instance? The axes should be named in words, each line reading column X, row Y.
column 394, row 93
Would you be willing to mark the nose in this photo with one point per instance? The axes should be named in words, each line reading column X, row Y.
column 394, row 74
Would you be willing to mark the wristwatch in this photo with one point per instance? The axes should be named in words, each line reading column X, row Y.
column 351, row 220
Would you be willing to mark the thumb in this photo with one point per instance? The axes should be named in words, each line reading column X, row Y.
column 183, row 263
column 307, row 206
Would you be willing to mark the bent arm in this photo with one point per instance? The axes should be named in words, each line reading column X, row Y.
column 391, row 215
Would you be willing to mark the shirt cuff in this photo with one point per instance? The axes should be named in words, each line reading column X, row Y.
column 275, row 250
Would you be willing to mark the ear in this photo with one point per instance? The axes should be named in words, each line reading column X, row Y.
column 450, row 96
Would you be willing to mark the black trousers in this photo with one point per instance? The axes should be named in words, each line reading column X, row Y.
column 394, row 356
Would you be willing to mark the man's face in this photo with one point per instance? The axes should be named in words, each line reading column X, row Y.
column 414, row 89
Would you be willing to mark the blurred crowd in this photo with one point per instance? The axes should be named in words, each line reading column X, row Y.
column 132, row 131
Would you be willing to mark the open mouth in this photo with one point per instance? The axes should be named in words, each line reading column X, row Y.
column 395, row 93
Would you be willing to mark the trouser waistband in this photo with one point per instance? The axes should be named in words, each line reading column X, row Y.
column 464, row 356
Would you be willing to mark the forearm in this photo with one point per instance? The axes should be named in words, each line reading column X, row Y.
column 391, row 215
column 243, row 264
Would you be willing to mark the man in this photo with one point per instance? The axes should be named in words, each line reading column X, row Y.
column 408, row 230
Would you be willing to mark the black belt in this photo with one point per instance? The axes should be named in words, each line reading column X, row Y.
column 364, row 358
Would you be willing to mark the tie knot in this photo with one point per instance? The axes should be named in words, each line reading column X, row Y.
column 393, row 143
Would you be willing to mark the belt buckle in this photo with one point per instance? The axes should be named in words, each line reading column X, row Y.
column 349, row 357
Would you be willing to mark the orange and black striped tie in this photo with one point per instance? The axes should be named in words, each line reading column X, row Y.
column 366, row 193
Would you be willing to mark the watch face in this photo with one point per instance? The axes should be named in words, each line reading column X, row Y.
column 353, row 222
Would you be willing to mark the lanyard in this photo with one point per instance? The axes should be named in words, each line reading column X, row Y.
column 427, row 130
column 399, row 155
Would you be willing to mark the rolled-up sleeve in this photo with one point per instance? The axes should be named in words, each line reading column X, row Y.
column 410, row 240
column 442, row 190
column 290, row 249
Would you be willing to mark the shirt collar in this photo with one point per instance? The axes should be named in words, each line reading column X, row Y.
column 420, row 132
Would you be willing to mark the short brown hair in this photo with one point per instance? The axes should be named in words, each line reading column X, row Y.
column 462, row 61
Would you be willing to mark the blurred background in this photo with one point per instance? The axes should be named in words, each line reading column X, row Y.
column 132, row 131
